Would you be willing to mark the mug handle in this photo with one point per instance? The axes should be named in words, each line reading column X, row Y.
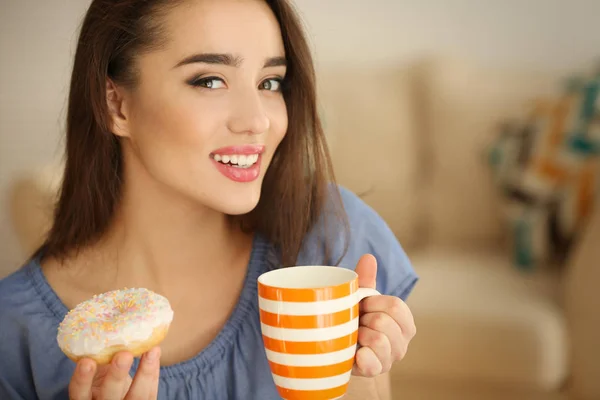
column 366, row 292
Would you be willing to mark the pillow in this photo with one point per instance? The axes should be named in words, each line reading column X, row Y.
column 546, row 167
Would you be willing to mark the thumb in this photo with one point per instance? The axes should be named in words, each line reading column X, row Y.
column 367, row 271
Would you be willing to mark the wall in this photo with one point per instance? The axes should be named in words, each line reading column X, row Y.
column 517, row 33
column 37, row 36
column 35, row 53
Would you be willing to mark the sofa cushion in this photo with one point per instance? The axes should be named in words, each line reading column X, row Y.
column 479, row 320
column 371, row 126
column 466, row 103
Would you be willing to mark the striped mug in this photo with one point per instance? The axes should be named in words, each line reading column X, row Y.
column 309, row 321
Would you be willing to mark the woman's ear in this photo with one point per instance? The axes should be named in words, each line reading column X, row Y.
column 117, row 109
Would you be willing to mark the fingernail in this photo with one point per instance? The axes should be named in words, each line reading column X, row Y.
column 152, row 355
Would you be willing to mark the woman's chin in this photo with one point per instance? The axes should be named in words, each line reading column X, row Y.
column 237, row 205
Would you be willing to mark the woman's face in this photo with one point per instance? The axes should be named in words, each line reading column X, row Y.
column 208, row 112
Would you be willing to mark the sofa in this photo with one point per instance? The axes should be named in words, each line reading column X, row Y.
column 409, row 139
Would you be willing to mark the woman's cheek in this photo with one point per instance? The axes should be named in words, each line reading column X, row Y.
column 279, row 119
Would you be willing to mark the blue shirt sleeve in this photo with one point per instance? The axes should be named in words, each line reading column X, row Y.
column 15, row 374
column 369, row 234
column 32, row 366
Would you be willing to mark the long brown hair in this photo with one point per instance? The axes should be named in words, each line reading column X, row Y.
column 295, row 189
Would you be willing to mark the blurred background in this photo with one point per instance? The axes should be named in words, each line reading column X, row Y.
column 480, row 124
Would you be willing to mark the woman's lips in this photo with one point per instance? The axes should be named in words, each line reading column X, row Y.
column 239, row 163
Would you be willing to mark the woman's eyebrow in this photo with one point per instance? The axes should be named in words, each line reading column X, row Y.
column 275, row 62
column 227, row 59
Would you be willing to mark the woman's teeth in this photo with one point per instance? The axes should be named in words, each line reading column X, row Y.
column 240, row 161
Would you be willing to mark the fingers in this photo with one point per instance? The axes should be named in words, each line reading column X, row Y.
column 385, row 324
column 395, row 308
column 386, row 328
column 80, row 387
column 117, row 379
column 145, row 383
column 374, row 356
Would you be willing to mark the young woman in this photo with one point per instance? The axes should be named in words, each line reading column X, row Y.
column 195, row 161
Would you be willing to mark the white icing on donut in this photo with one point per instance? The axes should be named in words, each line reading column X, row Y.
column 119, row 317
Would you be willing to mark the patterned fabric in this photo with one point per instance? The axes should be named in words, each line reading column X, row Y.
column 546, row 167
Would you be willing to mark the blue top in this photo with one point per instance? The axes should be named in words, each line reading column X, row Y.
column 232, row 366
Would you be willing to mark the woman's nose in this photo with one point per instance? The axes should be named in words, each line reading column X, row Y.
column 249, row 115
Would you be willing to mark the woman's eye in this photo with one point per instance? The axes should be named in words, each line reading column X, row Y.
column 271, row 84
column 209, row 83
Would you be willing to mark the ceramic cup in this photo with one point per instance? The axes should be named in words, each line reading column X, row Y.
column 309, row 321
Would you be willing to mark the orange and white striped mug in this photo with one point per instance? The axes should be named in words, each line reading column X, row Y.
column 309, row 321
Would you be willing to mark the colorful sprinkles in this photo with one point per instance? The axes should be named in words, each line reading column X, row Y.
column 114, row 317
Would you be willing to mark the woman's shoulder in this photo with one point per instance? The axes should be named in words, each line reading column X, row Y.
column 22, row 306
column 16, row 292
column 26, row 299
column 366, row 232
column 16, row 300
column 27, row 332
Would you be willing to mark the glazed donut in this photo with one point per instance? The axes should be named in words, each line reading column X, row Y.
column 133, row 320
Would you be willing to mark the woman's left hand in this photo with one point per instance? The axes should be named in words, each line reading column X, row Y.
column 386, row 326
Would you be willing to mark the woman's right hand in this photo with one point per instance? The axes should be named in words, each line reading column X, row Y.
column 112, row 382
